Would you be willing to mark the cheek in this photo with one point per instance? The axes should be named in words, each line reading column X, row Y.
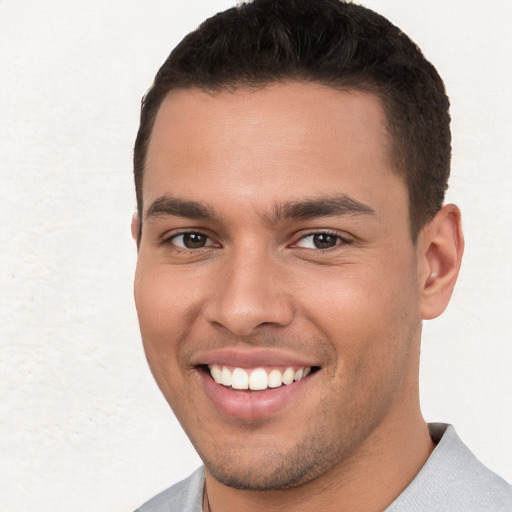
column 155, row 300
column 161, row 326
column 162, row 300
column 368, row 313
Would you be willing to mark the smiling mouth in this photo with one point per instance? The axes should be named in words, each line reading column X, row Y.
column 257, row 379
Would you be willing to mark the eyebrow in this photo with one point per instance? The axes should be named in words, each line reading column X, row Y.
column 307, row 209
column 179, row 208
column 320, row 207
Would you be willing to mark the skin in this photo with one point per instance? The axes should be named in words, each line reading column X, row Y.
column 353, row 436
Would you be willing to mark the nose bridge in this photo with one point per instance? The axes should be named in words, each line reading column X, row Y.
column 249, row 291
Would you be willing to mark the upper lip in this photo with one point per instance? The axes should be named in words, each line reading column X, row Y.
column 251, row 358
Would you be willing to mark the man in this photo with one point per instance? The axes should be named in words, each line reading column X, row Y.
column 290, row 170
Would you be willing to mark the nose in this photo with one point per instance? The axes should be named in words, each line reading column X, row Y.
column 249, row 293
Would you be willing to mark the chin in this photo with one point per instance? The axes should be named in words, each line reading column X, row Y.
column 258, row 481
column 276, row 471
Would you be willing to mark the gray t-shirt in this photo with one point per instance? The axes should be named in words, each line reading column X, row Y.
column 451, row 480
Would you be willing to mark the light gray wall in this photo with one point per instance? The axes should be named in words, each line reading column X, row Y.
column 82, row 425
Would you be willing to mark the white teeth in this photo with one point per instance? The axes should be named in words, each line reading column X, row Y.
column 275, row 379
column 240, row 379
column 257, row 379
column 288, row 376
column 225, row 377
column 216, row 372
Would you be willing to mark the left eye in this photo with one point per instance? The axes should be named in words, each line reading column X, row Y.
column 319, row 241
column 191, row 241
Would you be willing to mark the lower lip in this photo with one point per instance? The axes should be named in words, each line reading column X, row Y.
column 250, row 405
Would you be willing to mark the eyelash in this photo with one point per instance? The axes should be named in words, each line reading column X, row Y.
column 339, row 241
column 171, row 241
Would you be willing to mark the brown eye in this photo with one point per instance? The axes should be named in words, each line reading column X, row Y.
column 194, row 240
column 191, row 240
column 324, row 240
column 320, row 241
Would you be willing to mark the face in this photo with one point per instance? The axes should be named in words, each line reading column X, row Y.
column 276, row 284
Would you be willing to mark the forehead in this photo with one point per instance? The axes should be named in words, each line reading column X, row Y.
column 270, row 144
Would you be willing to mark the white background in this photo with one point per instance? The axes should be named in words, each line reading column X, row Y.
column 83, row 426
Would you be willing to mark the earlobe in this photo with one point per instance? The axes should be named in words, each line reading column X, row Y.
column 441, row 244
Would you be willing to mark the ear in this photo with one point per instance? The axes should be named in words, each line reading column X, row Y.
column 135, row 227
column 441, row 244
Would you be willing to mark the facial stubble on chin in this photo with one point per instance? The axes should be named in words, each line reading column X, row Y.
column 319, row 452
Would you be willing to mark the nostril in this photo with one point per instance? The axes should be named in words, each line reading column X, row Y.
column 245, row 301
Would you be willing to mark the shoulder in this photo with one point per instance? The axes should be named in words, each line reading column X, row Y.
column 185, row 496
column 454, row 479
